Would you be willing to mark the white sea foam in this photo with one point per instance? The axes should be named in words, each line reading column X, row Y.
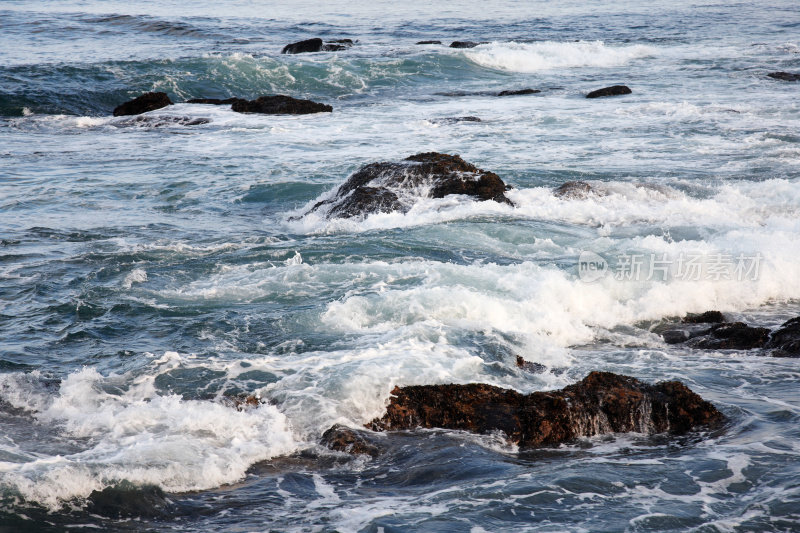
column 136, row 275
column 534, row 57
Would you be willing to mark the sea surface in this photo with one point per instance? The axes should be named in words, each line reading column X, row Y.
column 150, row 267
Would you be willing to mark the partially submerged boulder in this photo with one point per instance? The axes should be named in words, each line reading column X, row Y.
column 518, row 92
column 732, row 336
column 348, row 440
column 316, row 45
column 614, row 90
column 279, row 105
column 601, row 403
column 579, row 190
column 784, row 76
column 143, row 104
column 529, row 366
column 394, row 186
column 785, row 341
column 429, row 42
column 466, row 44
column 708, row 317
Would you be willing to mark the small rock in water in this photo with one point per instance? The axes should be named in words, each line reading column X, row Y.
column 599, row 404
column 429, row 42
column 518, row 92
column 348, row 440
column 709, row 317
column 733, row 336
column 453, row 120
column 574, row 190
column 316, row 45
column 280, row 105
column 615, row 90
column 127, row 500
column 466, row 44
column 143, row 104
column 785, row 341
column 784, row 76
column 534, row 368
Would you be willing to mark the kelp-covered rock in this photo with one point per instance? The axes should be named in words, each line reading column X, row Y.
column 143, row 104
column 394, row 186
column 348, row 440
column 615, row 90
column 601, row 403
column 785, row 341
column 280, row 105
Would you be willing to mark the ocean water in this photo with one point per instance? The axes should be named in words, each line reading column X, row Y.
column 151, row 267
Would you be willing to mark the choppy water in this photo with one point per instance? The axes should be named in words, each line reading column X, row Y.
column 149, row 266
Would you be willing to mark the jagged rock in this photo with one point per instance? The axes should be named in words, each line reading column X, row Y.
column 709, row 317
column 280, row 105
column 784, row 76
column 615, row 90
column 429, row 42
column 348, row 440
column 316, row 45
column 785, row 341
column 127, row 500
column 528, row 366
column 466, row 44
column 143, row 104
column 215, row 101
column 518, row 92
column 733, row 336
column 573, row 189
column 601, row 403
column 393, row 186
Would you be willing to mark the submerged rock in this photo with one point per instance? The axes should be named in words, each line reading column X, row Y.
column 518, row 92
column 316, row 45
column 601, row 403
column 615, row 90
column 143, row 104
column 393, row 186
column 733, row 336
column 454, row 120
column 784, row 76
column 465, row 44
column 347, row 440
column 785, row 341
column 573, row 189
column 162, row 121
column 127, row 500
column 429, row 42
column 279, row 105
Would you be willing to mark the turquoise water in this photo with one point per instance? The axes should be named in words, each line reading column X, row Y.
column 149, row 267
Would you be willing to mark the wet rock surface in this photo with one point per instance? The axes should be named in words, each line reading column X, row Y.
column 732, row 336
column 348, row 440
column 518, row 92
column 784, row 76
column 528, row 366
column 466, row 44
column 429, row 42
column 279, row 105
column 143, row 104
column 393, row 186
column 601, row 403
column 317, row 45
column 785, row 341
column 574, row 190
column 615, row 90
column 709, row 317
column 127, row 500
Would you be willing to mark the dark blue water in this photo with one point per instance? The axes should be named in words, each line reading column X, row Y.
column 150, row 268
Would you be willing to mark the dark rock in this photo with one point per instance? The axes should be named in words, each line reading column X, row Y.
column 453, row 120
column 316, row 45
column 785, row 341
column 348, row 440
column 601, row 403
column 382, row 187
column 616, row 90
column 784, row 76
column 709, row 317
column 280, row 105
column 215, row 101
column 733, row 336
column 676, row 336
column 127, row 500
column 309, row 45
column 429, row 42
column 533, row 368
column 143, row 104
column 573, row 189
column 518, row 92
column 466, row 44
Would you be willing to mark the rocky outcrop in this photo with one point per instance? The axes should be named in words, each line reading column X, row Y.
column 127, row 500
column 708, row 317
column 601, row 403
column 347, row 440
column 784, row 76
column 317, row 45
column 732, row 336
column 279, row 105
column 615, row 90
column 143, row 104
column 394, row 186
column 573, row 190
column 785, row 341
